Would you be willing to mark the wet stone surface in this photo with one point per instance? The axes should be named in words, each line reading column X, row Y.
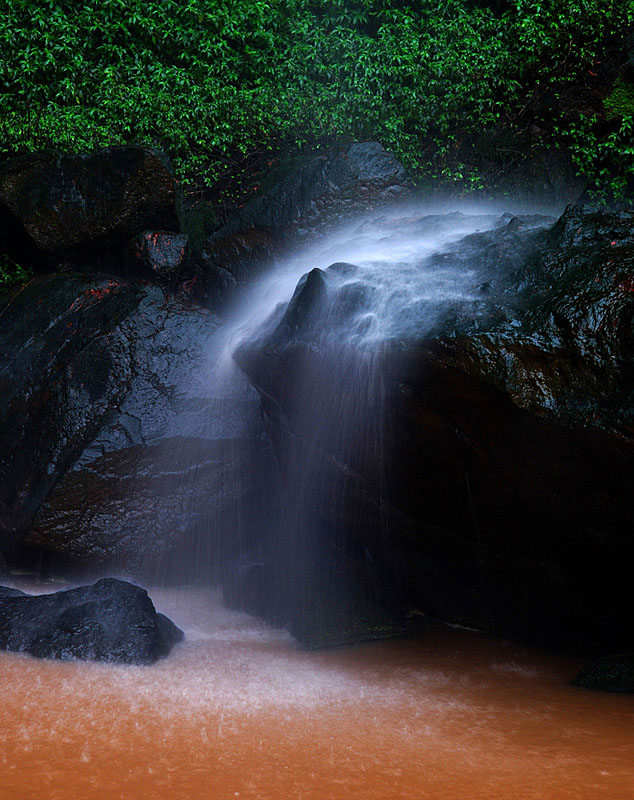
column 63, row 211
column 112, row 621
column 109, row 446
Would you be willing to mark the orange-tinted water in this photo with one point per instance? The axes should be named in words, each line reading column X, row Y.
column 238, row 711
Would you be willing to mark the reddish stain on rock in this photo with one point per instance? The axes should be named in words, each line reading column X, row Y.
column 90, row 296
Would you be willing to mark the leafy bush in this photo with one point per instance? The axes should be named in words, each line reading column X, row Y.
column 210, row 81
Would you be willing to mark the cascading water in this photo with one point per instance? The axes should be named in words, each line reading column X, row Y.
column 328, row 328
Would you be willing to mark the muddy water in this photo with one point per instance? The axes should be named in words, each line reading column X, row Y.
column 238, row 711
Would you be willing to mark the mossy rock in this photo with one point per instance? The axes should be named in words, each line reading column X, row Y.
column 620, row 101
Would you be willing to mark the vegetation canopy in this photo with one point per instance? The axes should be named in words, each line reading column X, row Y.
column 211, row 81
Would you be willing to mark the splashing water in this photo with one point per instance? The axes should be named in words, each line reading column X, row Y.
column 380, row 265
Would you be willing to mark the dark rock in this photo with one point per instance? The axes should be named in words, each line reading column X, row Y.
column 304, row 307
column 73, row 209
column 489, row 482
column 110, row 452
column 227, row 262
column 65, row 363
column 542, row 174
column 608, row 674
column 320, row 608
column 248, row 587
column 158, row 256
column 130, row 506
column 7, row 591
column 326, row 190
column 112, row 621
column 308, row 196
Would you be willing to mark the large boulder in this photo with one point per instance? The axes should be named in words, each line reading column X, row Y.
column 325, row 190
column 114, row 448
column 480, row 472
column 306, row 197
column 60, row 210
column 112, row 621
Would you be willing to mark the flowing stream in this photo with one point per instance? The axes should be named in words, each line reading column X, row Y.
column 238, row 710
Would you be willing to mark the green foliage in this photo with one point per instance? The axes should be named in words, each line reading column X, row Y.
column 11, row 273
column 212, row 80
column 608, row 158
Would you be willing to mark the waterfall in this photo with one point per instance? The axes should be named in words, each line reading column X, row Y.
column 322, row 338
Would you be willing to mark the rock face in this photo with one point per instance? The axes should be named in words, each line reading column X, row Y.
column 327, row 190
column 502, row 499
column 310, row 195
column 228, row 261
column 112, row 621
column 109, row 449
column 159, row 256
column 80, row 209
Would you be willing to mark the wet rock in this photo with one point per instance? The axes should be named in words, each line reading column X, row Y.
column 158, row 256
column 319, row 607
column 489, row 484
column 226, row 262
column 250, row 587
column 138, row 507
column 304, row 308
column 65, row 363
column 327, row 189
column 75, row 209
column 608, row 674
column 109, row 449
column 544, row 174
column 307, row 197
column 8, row 591
column 112, row 621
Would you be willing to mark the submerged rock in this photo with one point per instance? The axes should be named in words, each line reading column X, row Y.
column 480, row 472
column 112, row 621
column 85, row 208
column 608, row 674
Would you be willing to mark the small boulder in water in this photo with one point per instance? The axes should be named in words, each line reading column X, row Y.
column 112, row 621
column 608, row 674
